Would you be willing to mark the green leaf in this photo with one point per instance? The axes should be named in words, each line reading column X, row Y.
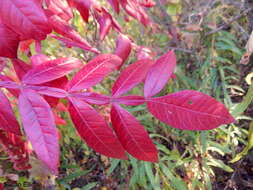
column 89, row 186
column 74, row 175
column 247, row 148
column 114, row 165
column 220, row 164
column 241, row 107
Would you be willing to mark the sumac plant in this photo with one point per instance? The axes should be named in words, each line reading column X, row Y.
column 42, row 81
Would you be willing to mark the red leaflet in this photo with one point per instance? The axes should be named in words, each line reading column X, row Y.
column 57, row 83
column 132, row 135
column 104, row 20
column 8, row 42
column 159, row 74
column 8, row 120
column 34, row 21
column 94, row 72
column 92, row 98
column 131, row 76
column 190, row 110
column 83, row 6
column 129, row 100
column 59, row 8
column 20, row 67
column 94, row 130
column 39, row 126
column 61, row 27
column 133, row 8
column 115, row 5
column 51, row 70
column 70, row 43
column 123, row 47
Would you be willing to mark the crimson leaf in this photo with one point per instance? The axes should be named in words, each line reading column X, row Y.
column 94, row 130
column 39, row 126
column 94, row 72
column 8, row 120
column 20, row 67
column 115, row 5
column 51, row 70
column 34, row 21
column 159, row 74
column 189, row 110
column 123, row 47
column 104, row 20
column 8, row 42
column 132, row 135
column 83, row 7
column 62, row 27
column 60, row 9
column 131, row 76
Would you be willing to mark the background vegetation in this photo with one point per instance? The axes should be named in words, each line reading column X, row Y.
column 209, row 38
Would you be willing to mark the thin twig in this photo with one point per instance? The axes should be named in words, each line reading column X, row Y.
column 181, row 49
column 246, row 11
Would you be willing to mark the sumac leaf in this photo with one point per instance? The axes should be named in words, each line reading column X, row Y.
column 104, row 20
column 159, row 74
column 39, row 125
column 94, row 130
column 59, row 8
column 71, row 43
column 83, row 6
column 20, row 67
column 93, row 72
column 57, row 83
column 123, row 47
column 62, row 27
column 131, row 76
column 51, row 70
column 26, row 18
column 8, row 120
column 133, row 8
column 189, row 110
column 8, row 42
column 132, row 135
column 115, row 5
